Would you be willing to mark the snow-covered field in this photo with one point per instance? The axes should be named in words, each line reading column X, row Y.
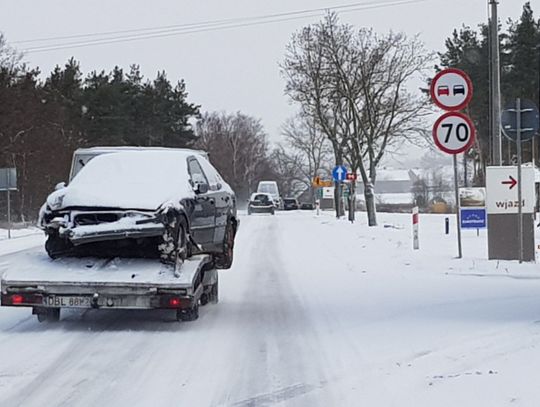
column 21, row 239
column 314, row 312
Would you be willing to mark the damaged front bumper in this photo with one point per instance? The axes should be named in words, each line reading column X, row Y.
column 81, row 227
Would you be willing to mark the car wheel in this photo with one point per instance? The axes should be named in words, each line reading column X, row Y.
column 57, row 246
column 225, row 259
column 175, row 246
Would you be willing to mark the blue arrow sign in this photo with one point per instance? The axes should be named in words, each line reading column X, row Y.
column 473, row 218
column 339, row 173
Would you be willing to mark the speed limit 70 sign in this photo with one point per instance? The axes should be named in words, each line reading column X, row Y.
column 454, row 133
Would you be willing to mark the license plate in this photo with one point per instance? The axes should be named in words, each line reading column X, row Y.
column 67, row 301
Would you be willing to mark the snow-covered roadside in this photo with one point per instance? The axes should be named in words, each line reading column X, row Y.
column 314, row 312
column 424, row 327
column 21, row 239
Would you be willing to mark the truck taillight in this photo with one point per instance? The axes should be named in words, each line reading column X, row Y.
column 17, row 299
column 20, row 299
column 174, row 302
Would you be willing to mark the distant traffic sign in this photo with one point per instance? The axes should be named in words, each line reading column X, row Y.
column 351, row 176
column 8, row 179
column 530, row 120
column 318, row 183
column 454, row 133
column 339, row 173
column 451, row 89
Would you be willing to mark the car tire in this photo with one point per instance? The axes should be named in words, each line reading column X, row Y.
column 57, row 246
column 176, row 245
column 224, row 260
column 188, row 314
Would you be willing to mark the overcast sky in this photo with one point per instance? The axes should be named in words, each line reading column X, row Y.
column 232, row 69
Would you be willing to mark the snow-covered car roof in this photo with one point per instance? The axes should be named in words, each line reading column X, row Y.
column 141, row 179
column 82, row 156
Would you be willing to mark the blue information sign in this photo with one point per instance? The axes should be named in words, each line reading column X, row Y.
column 339, row 173
column 473, row 218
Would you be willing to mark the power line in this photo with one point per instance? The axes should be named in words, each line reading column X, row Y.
column 203, row 23
column 215, row 25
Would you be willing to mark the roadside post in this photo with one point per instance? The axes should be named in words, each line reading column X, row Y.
column 8, row 183
column 453, row 132
column 416, row 241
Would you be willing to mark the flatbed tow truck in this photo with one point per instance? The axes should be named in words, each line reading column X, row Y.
column 47, row 286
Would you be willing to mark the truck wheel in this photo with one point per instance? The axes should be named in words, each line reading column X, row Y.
column 224, row 260
column 188, row 314
column 49, row 315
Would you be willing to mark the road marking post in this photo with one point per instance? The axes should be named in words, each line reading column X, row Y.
column 416, row 242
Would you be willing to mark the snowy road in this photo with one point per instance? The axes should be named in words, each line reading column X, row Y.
column 314, row 312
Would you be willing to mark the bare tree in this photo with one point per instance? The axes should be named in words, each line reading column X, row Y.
column 353, row 83
column 10, row 59
column 238, row 147
column 306, row 150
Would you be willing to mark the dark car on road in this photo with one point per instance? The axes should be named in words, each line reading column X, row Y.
column 290, row 204
column 261, row 202
column 157, row 203
column 307, row 206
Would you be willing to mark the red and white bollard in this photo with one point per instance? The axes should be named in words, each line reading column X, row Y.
column 416, row 242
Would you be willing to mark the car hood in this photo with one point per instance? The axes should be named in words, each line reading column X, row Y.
column 130, row 180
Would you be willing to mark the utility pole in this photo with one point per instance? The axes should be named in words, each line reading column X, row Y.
column 496, row 152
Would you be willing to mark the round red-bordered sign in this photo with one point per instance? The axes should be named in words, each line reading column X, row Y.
column 451, row 89
column 454, row 133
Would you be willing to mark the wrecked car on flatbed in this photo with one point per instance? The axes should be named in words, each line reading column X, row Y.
column 151, row 203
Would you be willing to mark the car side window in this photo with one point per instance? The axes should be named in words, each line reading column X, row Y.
column 196, row 172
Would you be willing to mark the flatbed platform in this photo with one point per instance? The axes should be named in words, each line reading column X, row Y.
column 122, row 283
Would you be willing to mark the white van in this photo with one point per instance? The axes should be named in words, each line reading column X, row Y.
column 270, row 187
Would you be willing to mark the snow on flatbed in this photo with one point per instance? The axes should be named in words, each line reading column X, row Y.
column 314, row 312
column 34, row 267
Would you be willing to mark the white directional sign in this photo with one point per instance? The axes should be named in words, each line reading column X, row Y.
column 451, row 89
column 502, row 191
column 453, row 133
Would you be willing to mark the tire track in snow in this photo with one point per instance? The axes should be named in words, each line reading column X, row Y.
column 279, row 342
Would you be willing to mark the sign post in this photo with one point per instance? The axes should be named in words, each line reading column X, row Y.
column 339, row 173
column 458, row 219
column 453, row 133
column 520, row 206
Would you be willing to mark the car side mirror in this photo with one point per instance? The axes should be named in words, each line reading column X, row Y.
column 219, row 186
column 201, row 188
column 60, row 185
